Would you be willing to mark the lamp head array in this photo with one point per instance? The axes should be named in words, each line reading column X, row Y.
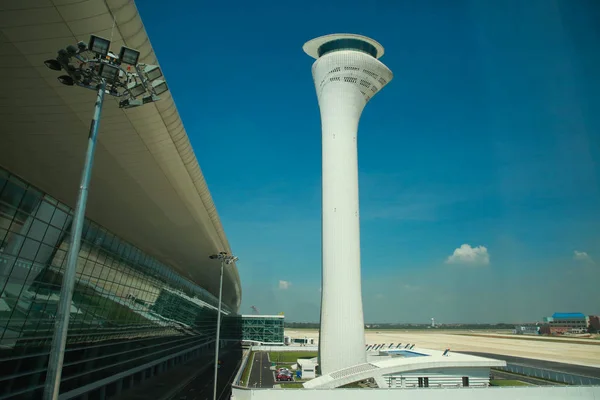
column 88, row 64
column 225, row 257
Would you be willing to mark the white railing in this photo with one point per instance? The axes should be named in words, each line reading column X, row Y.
column 238, row 376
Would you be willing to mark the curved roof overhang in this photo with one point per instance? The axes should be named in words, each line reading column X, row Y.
column 147, row 186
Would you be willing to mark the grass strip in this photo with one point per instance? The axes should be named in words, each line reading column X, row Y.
column 247, row 369
column 508, row 382
column 290, row 356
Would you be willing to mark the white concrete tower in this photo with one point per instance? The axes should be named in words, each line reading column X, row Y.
column 347, row 74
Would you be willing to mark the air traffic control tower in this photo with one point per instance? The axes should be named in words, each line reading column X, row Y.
column 347, row 74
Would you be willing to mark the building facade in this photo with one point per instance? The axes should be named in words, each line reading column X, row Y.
column 594, row 322
column 526, row 330
column 145, row 296
column 128, row 308
column 566, row 323
column 263, row 329
column 416, row 368
column 439, row 378
column 346, row 74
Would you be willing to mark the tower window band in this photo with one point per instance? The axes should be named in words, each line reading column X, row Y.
column 347, row 44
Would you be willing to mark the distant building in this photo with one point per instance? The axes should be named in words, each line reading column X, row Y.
column 527, row 330
column 416, row 368
column 263, row 329
column 594, row 322
column 566, row 323
column 305, row 341
column 308, row 366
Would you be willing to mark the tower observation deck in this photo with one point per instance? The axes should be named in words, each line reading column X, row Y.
column 347, row 74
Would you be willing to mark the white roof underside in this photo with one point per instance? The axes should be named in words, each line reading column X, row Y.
column 379, row 364
column 147, row 186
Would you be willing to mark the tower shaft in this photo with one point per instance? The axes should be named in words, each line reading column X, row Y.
column 345, row 81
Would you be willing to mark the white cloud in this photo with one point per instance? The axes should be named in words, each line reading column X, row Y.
column 411, row 287
column 582, row 256
column 283, row 285
column 466, row 254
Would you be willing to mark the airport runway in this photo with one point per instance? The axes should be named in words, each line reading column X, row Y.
column 564, row 351
column 561, row 367
column 261, row 375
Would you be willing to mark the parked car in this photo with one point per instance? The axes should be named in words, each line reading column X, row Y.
column 284, row 376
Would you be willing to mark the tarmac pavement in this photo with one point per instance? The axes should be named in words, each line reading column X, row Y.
column 261, row 375
column 555, row 366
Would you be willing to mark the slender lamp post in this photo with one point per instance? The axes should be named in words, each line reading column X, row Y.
column 93, row 66
column 225, row 259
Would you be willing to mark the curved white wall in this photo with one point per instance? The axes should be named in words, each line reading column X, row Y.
column 345, row 81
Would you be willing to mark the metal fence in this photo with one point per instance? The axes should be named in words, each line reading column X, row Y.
column 548, row 374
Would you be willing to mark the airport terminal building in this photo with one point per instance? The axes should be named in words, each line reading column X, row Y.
column 145, row 292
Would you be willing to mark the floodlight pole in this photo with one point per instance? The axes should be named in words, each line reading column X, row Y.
column 57, row 350
column 218, row 330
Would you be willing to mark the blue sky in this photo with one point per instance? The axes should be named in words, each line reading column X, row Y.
column 479, row 163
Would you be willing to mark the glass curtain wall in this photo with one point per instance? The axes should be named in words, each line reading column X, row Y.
column 263, row 329
column 128, row 308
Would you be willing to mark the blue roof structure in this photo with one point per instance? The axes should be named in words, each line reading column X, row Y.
column 567, row 315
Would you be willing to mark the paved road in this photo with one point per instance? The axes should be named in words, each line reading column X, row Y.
column 201, row 388
column 507, row 375
column 261, row 375
column 530, row 362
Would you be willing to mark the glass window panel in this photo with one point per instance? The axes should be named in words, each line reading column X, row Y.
column 88, row 268
column 18, row 275
column 123, row 249
column 6, row 265
column 7, row 213
column 31, row 200
column 80, row 264
column 101, row 257
column 18, row 223
column 92, row 233
column 45, row 211
column 14, row 242
column 84, row 229
column 12, row 194
column 29, row 249
column 104, row 239
column 3, row 236
column 3, row 178
column 37, row 229
column 16, row 180
column 131, row 256
column 59, row 218
column 93, row 252
column 115, row 245
column 136, row 256
column 59, row 257
column 44, row 253
column 52, row 236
